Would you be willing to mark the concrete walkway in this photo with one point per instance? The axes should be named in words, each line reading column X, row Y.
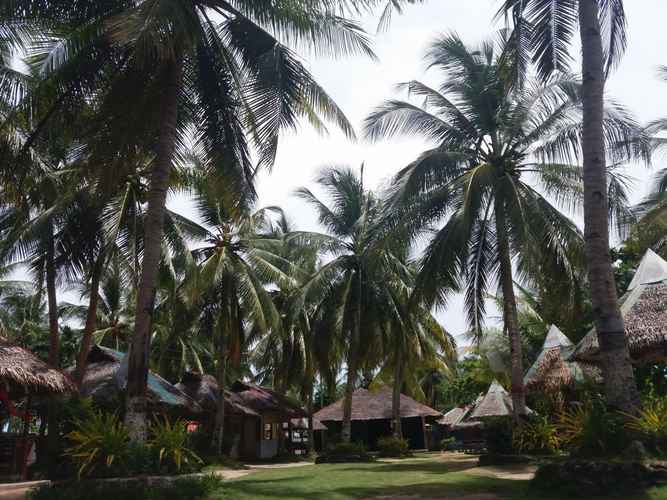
column 19, row 491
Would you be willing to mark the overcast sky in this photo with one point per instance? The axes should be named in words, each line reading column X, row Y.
column 358, row 84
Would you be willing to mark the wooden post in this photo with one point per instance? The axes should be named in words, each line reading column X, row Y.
column 26, row 449
column 424, row 431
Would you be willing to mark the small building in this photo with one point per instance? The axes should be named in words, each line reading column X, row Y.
column 259, row 422
column 372, row 418
column 106, row 378
column 644, row 310
column 552, row 370
column 24, row 378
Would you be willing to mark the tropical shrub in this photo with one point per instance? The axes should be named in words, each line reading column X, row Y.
column 651, row 423
column 184, row 489
column 498, row 436
column 448, row 443
column 538, row 435
column 169, row 442
column 590, row 430
column 99, row 445
column 391, row 446
column 348, row 449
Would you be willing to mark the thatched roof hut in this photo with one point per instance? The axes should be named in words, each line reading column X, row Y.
column 203, row 389
column 497, row 402
column 24, row 373
column 644, row 310
column 453, row 416
column 106, row 378
column 263, row 400
column 375, row 405
column 552, row 370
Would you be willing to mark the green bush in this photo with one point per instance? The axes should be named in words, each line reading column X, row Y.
column 591, row 430
column 538, row 435
column 650, row 423
column 99, row 445
column 448, row 443
column 140, row 459
column 390, row 446
column 498, row 436
column 347, row 449
column 169, row 442
column 184, row 489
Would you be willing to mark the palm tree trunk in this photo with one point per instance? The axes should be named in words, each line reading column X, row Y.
column 619, row 382
column 219, row 430
column 396, row 394
column 135, row 415
column 91, row 321
column 352, row 367
column 53, row 440
column 510, row 315
column 346, row 431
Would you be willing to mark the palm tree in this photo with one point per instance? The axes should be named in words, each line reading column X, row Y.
column 548, row 28
column 217, row 65
column 236, row 264
column 349, row 291
column 494, row 140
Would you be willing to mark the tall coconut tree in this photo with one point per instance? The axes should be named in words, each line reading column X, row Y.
column 349, row 290
column 237, row 263
column 547, row 28
column 496, row 142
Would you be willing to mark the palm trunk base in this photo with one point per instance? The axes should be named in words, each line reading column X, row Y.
column 619, row 384
column 136, row 418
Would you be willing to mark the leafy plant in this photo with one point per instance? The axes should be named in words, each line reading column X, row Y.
column 650, row 422
column 170, row 442
column 100, row 441
column 391, row 446
column 537, row 436
column 498, row 435
column 591, row 430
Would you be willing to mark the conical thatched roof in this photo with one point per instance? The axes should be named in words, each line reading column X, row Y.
column 497, row 402
column 375, row 405
column 204, row 390
column 644, row 310
column 23, row 372
column 106, row 377
column 551, row 370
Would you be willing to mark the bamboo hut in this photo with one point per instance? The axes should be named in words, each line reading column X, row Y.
column 106, row 377
column 644, row 310
column 552, row 370
column 497, row 402
column 24, row 377
column 372, row 417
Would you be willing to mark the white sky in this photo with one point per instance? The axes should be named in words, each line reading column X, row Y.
column 358, row 84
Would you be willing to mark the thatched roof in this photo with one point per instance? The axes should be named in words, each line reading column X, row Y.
column 23, row 372
column 453, row 416
column 204, row 390
column 263, row 400
column 375, row 405
column 551, row 370
column 106, row 378
column 644, row 310
column 497, row 402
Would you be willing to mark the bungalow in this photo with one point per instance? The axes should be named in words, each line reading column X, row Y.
column 372, row 415
column 259, row 421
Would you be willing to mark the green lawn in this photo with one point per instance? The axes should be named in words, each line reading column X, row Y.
column 426, row 477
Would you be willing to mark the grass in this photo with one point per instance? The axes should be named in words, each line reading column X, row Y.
column 426, row 476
